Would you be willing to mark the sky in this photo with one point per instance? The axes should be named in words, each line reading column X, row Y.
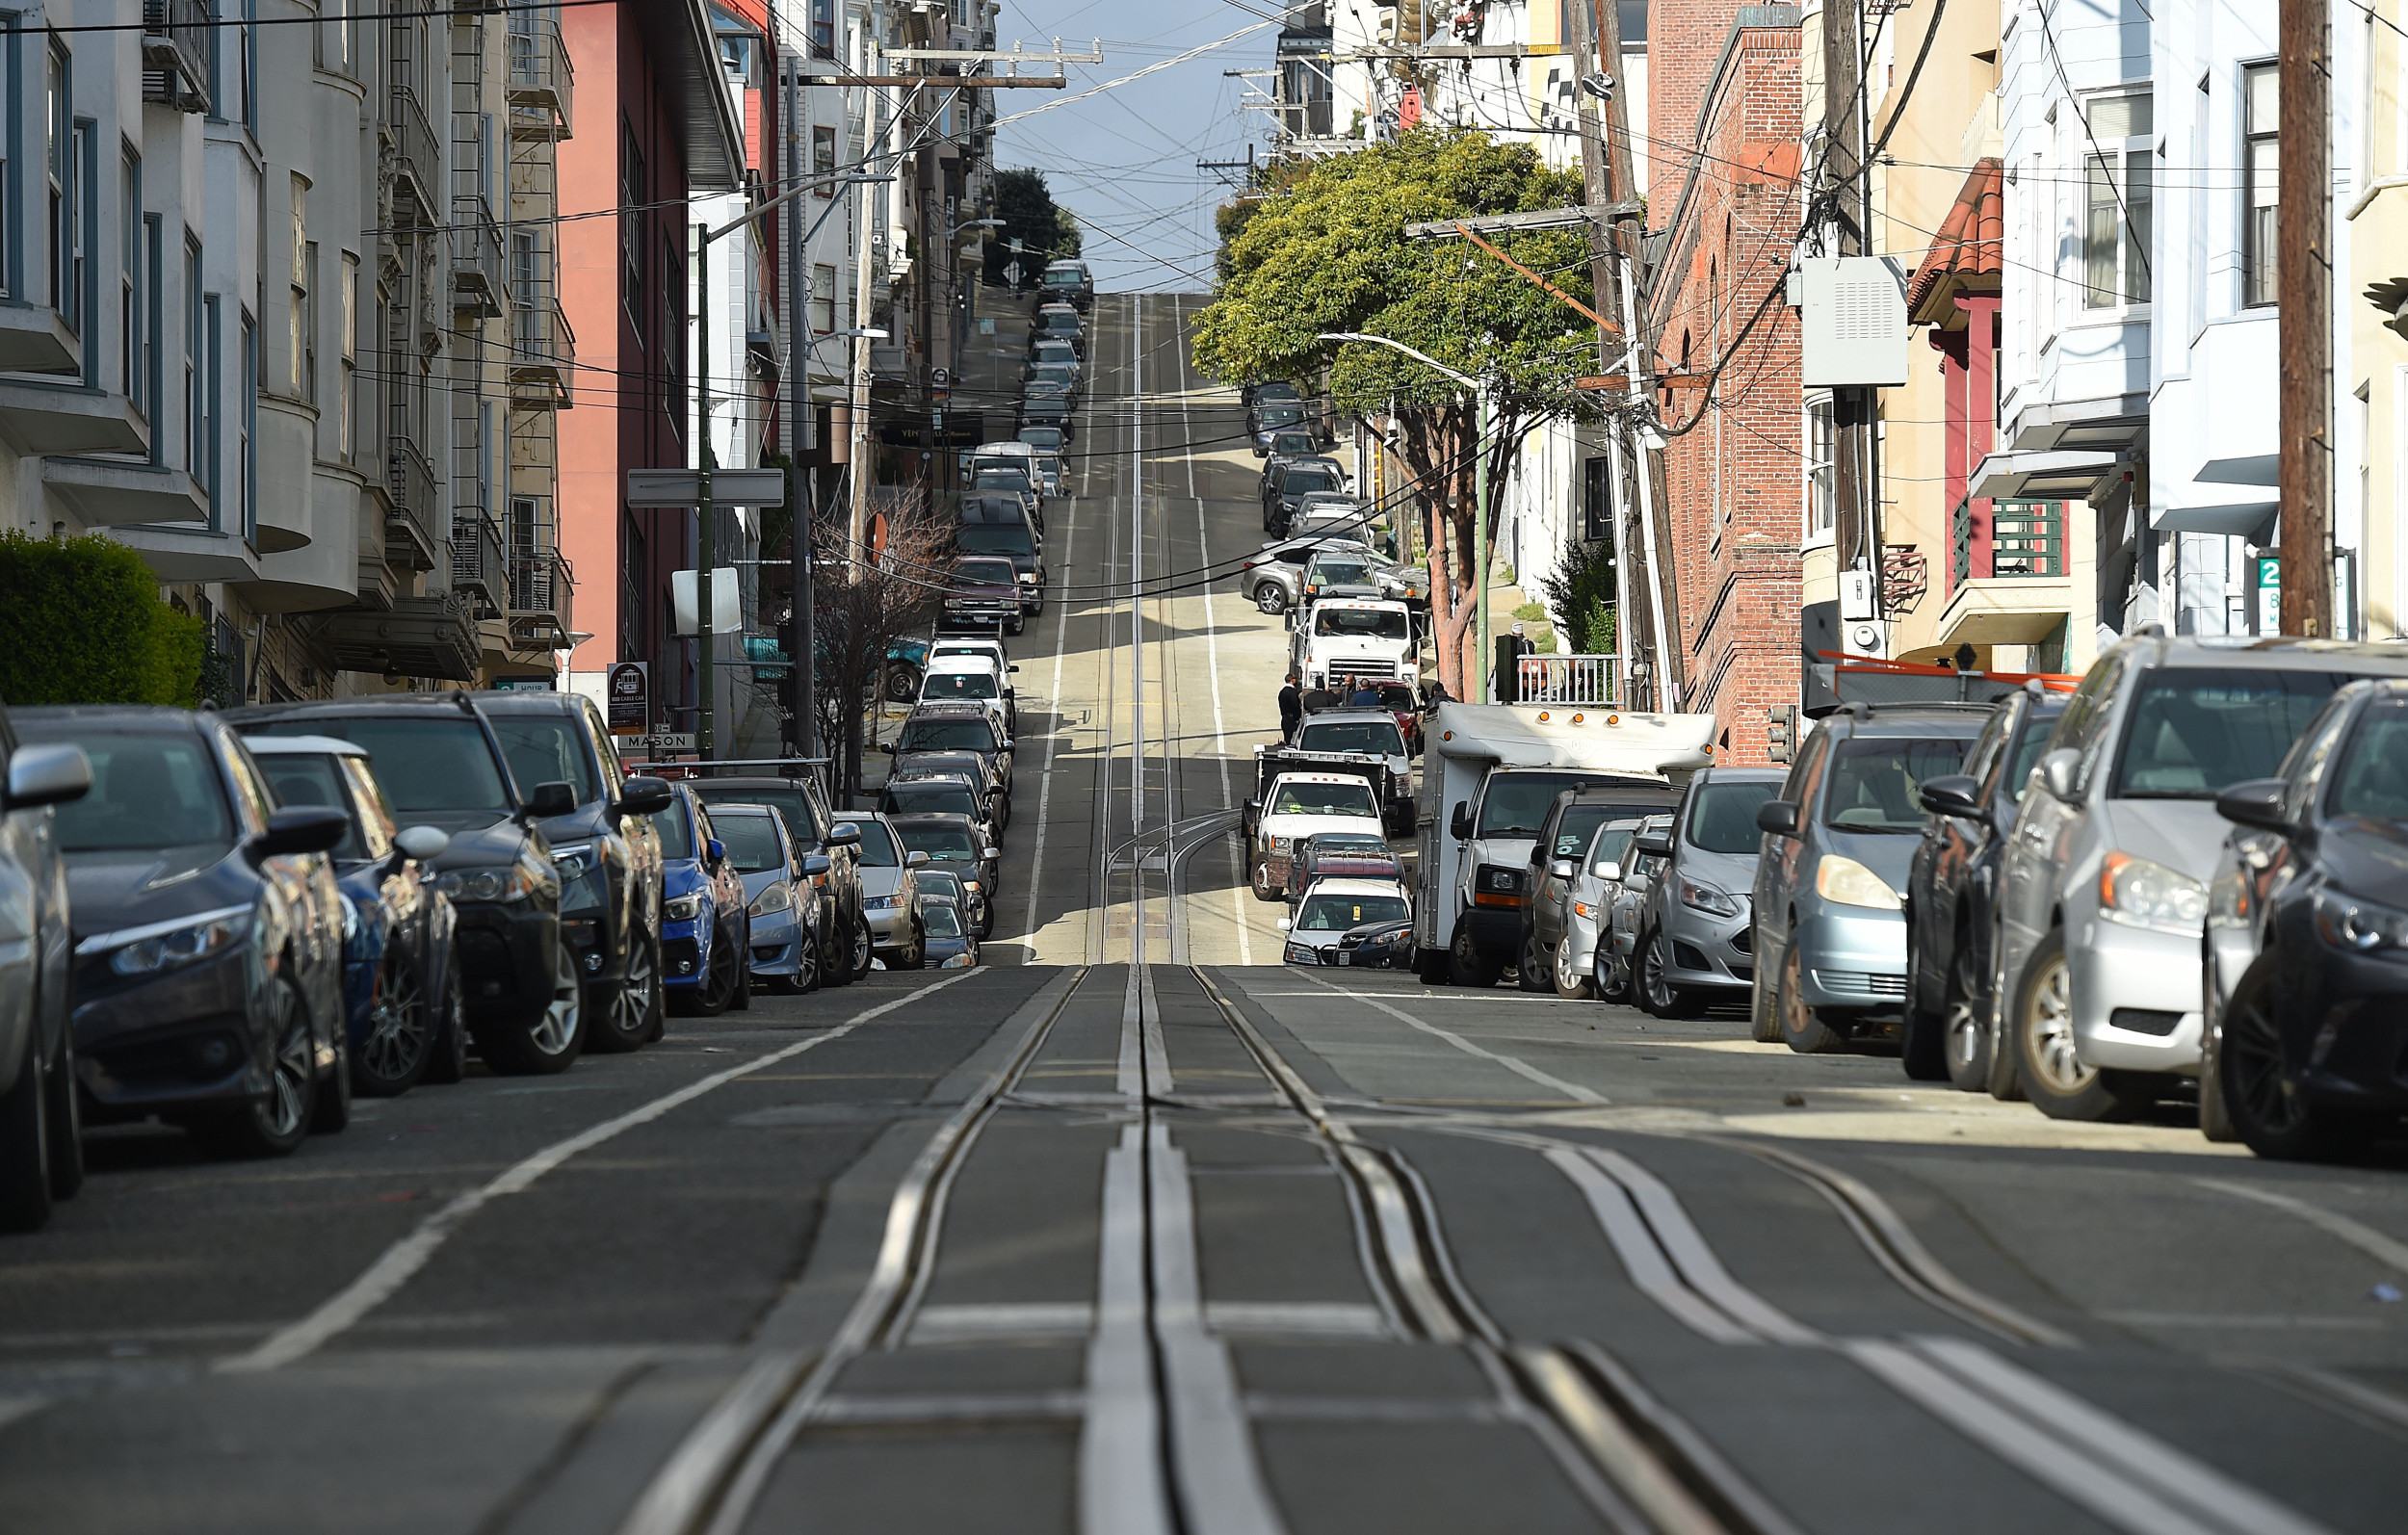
column 1124, row 159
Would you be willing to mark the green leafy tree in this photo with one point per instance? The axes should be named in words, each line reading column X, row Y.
column 1583, row 595
column 1046, row 231
column 81, row 623
column 1328, row 252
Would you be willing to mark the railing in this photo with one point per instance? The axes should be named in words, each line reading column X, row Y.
column 2027, row 539
column 175, row 53
column 415, row 499
column 1961, row 543
column 478, row 563
column 1566, row 679
column 542, row 87
column 478, row 266
column 543, row 591
column 542, row 350
column 417, row 160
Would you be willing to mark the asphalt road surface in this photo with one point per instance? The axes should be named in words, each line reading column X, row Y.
column 1146, row 1234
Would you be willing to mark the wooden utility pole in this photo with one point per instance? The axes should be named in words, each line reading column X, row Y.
column 1849, row 180
column 2303, row 259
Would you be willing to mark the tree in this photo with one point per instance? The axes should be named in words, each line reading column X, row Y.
column 1328, row 253
column 81, row 623
column 1583, row 595
column 1045, row 230
column 863, row 601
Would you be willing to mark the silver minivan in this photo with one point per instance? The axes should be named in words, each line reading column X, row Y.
column 2104, row 885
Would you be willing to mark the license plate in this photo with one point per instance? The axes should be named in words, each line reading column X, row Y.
column 1345, row 956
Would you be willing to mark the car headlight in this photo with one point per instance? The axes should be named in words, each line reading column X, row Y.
column 1496, row 885
column 971, row 885
column 1299, row 951
column 1282, row 844
column 1027, row 578
column 2139, row 893
column 204, row 935
column 682, row 908
column 880, row 903
column 779, row 897
column 350, row 921
column 575, row 859
column 2359, row 926
column 514, row 883
column 1714, row 903
column 1847, row 882
column 960, row 961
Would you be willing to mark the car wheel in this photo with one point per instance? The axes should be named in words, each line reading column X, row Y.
column 278, row 1121
column 902, row 684
column 1263, row 889
column 1534, row 973
column 1570, row 984
column 25, row 1140
column 916, row 957
column 864, row 950
column 740, row 1000
column 1272, row 598
column 550, row 1041
column 399, row 1041
column 66, row 1114
column 1923, row 1045
column 448, row 1061
column 2215, row 1115
column 1764, row 998
column 2056, row 1079
column 2270, row 1112
column 1657, row 996
column 331, row 1115
column 1466, row 965
column 1802, row 1030
column 806, row 977
column 709, row 998
column 1964, row 1040
column 624, row 1014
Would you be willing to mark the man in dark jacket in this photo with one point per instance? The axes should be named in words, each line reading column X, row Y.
column 1290, row 708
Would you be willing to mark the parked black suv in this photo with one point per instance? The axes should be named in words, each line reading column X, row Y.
column 957, row 727
column 844, row 935
column 443, row 765
column 607, row 852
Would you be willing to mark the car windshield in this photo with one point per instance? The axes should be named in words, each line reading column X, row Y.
column 1580, row 823
column 994, row 538
column 993, row 653
column 313, row 780
column 878, row 846
column 1340, row 573
column 1281, row 415
column 1014, row 480
column 1873, row 780
column 2196, row 731
column 944, row 844
column 951, row 686
column 1379, row 737
column 751, row 841
column 986, row 572
column 425, row 764
column 546, row 749
column 2372, row 778
column 1515, row 803
column 941, row 919
column 930, row 799
column 934, row 881
column 946, row 735
column 1352, row 797
column 1292, row 442
column 2026, row 755
column 146, row 792
column 1611, row 846
column 677, row 829
column 1335, row 914
column 1723, row 817
column 1366, row 623
column 1060, row 279
column 1303, row 480
column 1056, row 372
column 793, row 806
column 1395, row 695
column 1047, row 439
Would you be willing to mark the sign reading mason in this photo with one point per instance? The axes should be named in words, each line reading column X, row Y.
column 629, row 684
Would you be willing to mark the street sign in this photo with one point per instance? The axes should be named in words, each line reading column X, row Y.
column 683, row 487
column 2267, row 571
column 664, row 740
column 1012, row 272
column 726, row 613
column 628, row 685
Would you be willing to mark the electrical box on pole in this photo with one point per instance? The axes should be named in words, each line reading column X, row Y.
column 1855, row 322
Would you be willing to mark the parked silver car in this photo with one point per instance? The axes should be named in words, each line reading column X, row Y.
column 2104, row 885
column 1697, row 939
column 42, row 1153
column 1587, row 909
column 1830, row 940
column 890, row 893
column 1628, row 900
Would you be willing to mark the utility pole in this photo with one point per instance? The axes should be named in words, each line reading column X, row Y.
column 802, row 646
column 2304, row 268
column 705, row 581
column 1847, row 218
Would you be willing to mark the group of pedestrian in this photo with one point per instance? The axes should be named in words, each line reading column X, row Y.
column 1296, row 701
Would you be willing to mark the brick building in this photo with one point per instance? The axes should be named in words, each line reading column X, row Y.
column 1737, row 479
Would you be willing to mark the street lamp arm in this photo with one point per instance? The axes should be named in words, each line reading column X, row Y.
column 1422, row 357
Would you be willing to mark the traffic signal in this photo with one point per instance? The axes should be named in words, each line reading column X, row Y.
column 1781, row 732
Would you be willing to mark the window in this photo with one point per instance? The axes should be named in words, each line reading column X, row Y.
column 334, row 36
column 11, row 158
column 673, row 333
column 1597, row 500
column 246, row 67
column 58, row 157
column 822, row 29
column 246, row 476
column 2260, row 164
column 213, row 387
column 824, row 158
column 148, row 378
column 1821, row 458
column 131, row 286
column 299, row 361
column 196, row 416
column 345, row 432
column 823, row 299
column 631, row 196
column 2117, row 188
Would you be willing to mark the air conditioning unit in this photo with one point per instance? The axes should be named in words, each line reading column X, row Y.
column 1866, row 636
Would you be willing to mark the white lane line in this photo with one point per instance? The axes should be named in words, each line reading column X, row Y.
column 382, row 1279
column 2383, row 1249
column 1222, row 1480
column 1238, row 894
column 1121, row 1486
column 1053, row 737
column 1520, row 1068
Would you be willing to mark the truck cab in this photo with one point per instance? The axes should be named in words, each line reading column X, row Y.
column 1305, row 804
column 1355, row 637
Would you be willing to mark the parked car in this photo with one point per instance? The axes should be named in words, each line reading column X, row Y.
column 1306, row 804
column 1587, row 915
column 1951, row 893
column 1297, row 479
column 952, row 941
column 1627, row 904
column 208, row 986
column 968, row 765
column 1043, row 404
column 1059, row 322
column 1339, row 855
column 890, row 894
column 1066, row 279
column 1697, row 934
column 2307, row 925
column 996, row 526
column 977, row 909
column 815, row 829
column 1829, row 943
column 1285, row 444
column 1273, row 577
column 1566, row 829
column 1046, row 440
column 957, row 727
column 953, row 841
column 1015, row 481
column 1271, row 417
column 1332, row 909
column 783, row 913
column 704, row 943
column 969, row 679
column 442, row 765
column 41, row 1148
column 985, row 590
column 608, row 855
column 2103, row 890
column 918, row 791
column 403, row 1002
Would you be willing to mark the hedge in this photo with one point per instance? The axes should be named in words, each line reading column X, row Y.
column 81, row 623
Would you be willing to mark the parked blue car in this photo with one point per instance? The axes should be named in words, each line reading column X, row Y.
column 703, row 927
column 782, row 901
column 401, row 967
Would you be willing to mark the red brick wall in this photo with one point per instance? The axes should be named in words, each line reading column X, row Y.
column 1735, row 478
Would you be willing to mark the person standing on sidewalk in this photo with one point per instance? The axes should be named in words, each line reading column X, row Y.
column 1290, row 708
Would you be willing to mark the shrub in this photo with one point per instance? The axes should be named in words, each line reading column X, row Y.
column 81, row 623
column 1583, row 590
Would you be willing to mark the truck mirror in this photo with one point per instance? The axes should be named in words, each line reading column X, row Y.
column 1460, row 824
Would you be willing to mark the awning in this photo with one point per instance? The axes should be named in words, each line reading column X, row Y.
column 2253, row 520
column 2248, row 469
column 2059, row 474
column 1964, row 255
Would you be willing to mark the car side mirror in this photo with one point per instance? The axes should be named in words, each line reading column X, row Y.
column 1956, row 795
column 886, row 747
column 47, row 775
column 424, row 843
column 2256, row 803
column 555, row 798
column 302, row 830
column 1778, row 817
column 1460, row 824
column 1607, row 870
column 644, row 795
column 814, row 864
column 1015, row 667
column 2060, row 772
column 844, row 834
column 1563, row 869
column 1285, row 925
column 915, row 860
column 716, row 851
column 990, row 850
column 1657, row 842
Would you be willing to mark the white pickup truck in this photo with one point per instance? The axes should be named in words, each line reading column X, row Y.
column 1305, row 804
column 1338, row 638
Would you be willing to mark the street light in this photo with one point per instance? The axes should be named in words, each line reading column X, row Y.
column 974, row 223
column 1480, row 487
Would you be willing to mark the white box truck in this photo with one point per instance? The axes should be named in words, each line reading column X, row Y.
column 1490, row 772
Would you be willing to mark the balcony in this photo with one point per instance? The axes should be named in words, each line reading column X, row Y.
column 417, row 507
column 477, row 563
column 2011, row 588
column 117, row 492
column 542, row 91
column 543, row 350
column 40, row 418
column 1574, row 679
column 420, row 637
column 541, row 592
column 175, row 54
column 477, row 261
column 416, row 161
